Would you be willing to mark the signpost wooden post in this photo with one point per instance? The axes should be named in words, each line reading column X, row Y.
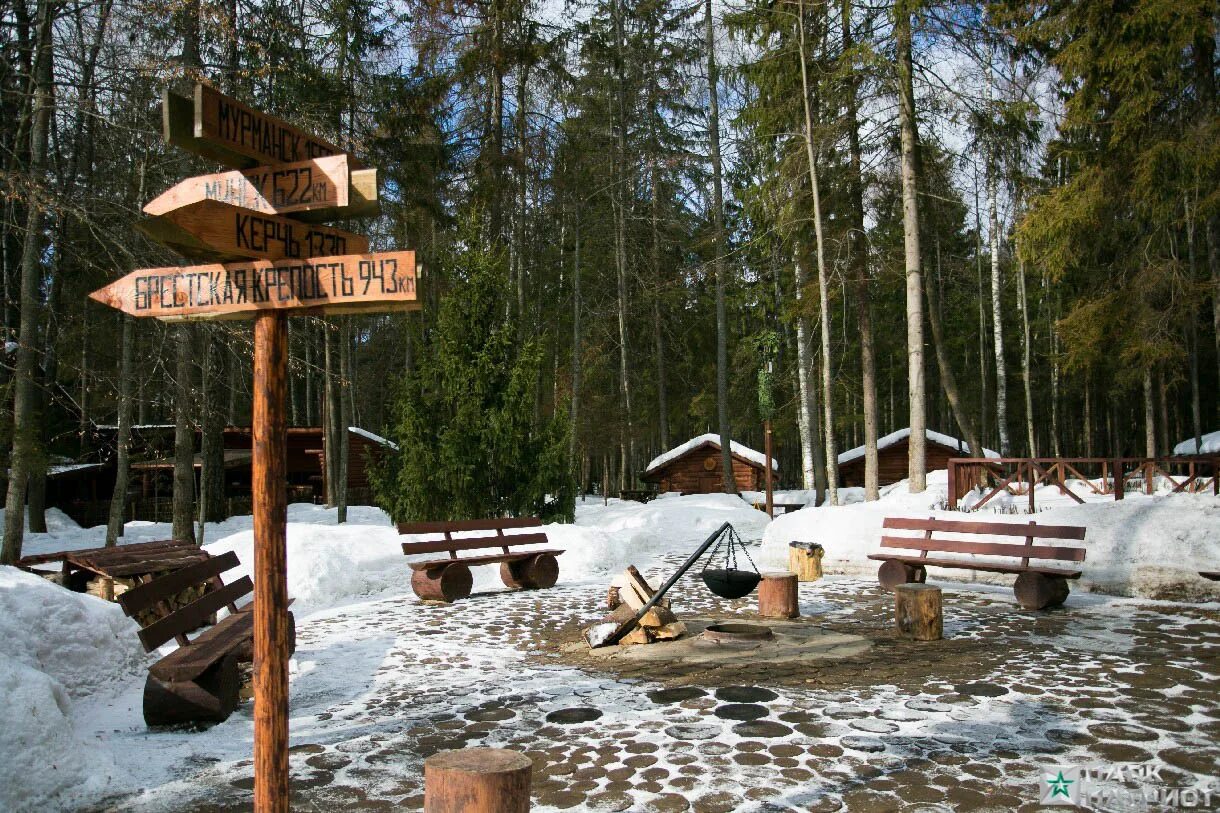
column 255, row 213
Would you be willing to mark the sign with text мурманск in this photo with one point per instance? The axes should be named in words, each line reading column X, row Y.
column 357, row 283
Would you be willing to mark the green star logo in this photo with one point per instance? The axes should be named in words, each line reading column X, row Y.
column 1059, row 786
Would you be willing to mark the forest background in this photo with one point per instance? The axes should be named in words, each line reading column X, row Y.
column 998, row 221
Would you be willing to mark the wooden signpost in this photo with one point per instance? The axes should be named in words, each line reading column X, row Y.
column 211, row 230
column 315, row 190
column 255, row 214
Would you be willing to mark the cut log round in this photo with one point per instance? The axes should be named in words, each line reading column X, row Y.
column 477, row 780
column 537, row 572
column 443, row 583
column 917, row 612
column 805, row 560
column 210, row 698
column 1037, row 591
column 893, row 573
column 613, row 599
column 777, row 596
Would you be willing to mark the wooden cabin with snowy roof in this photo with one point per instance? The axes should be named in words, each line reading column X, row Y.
column 893, row 457
column 696, row 467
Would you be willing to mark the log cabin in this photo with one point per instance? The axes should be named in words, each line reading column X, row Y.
column 893, row 457
column 695, row 467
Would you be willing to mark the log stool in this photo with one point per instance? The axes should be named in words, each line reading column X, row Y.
column 777, row 596
column 805, row 560
column 917, row 612
column 477, row 780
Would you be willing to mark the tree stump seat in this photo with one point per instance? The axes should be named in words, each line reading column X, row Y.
column 199, row 682
column 449, row 579
column 1037, row 587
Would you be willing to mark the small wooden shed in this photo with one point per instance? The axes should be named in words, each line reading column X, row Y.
column 893, row 457
column 695, row 467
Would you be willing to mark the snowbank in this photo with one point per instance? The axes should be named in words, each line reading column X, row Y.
column 1147, row 546
column 1211, row 445
column 56, row 648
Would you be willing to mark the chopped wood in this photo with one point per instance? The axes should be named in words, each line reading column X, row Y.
column 639, row 635
column 669, row 632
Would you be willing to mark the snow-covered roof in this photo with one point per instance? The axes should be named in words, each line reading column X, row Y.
column 364, row 433
column 903, row 434
column 1211, row 445
column 744, row 452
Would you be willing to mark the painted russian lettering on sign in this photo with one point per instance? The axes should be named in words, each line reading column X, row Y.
column 209, row 229
column 265, row 138
column 356, row 283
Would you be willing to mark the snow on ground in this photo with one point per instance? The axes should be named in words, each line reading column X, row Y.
column 1211, row 445
column 58, row 650
column 1148, row 546
column 72, row 672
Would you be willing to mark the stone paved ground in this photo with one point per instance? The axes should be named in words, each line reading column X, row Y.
column 962, row 724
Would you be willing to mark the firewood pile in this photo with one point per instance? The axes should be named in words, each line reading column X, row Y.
column 629, row 592
column 100, row 585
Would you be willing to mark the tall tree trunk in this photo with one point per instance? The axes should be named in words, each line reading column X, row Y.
column 718, row 249
column 832, row 463
column 948, row 379
column 211, row 445
column 997, row 287
column 658, row 330
column 184, row 435
column 1026, row 343
column 984, row 388
column 346, row 384
column 577, row 340
column 914, row 273
column 331, row 415
column 859, row 261
column 26, row 451
column 122, row 465
column 1149, row 416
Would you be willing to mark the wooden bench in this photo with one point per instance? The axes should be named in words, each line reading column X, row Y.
column 199, row 681
column 1037, row 586
column 124, row 564
column 450, row 579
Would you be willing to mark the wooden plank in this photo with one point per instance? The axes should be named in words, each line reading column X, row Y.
column 118, row 556
column 238, row 128
column 994, row 528
column 158, row 565
column 314, row 190
column 986, row 567
column 481, row 560
column 178, row 129
column 188, row 618
column 212, row 230
column 460, row 525
column 474, row 543
column 355, row 283
column 985, row 548
column 190, row 661
column 43, row 558
column 143, row 596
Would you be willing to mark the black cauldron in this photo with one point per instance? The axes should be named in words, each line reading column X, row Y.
column 730, row 583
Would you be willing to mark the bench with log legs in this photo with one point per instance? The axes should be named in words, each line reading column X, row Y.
column 1037, row 586
column 200, row 681
column 449, row 579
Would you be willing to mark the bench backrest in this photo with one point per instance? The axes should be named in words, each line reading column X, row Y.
column 177, row 623
column 1025, row 552
column 452, row 546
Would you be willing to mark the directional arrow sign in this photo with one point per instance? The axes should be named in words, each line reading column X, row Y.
column 315, row 190
column 211, row 230
column 355, row 283
column 221, row 128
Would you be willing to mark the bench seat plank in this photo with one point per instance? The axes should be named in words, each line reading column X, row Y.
column 190, row 661
column 516, row 556
column 989, row 567
column 474, row 543
column 984, row 548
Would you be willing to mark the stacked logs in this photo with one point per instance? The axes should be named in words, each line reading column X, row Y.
column 629, row 592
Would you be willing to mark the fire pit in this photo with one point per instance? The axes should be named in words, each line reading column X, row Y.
column 726, row 633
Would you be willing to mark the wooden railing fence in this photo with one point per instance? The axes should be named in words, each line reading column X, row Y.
column 1115, row 476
